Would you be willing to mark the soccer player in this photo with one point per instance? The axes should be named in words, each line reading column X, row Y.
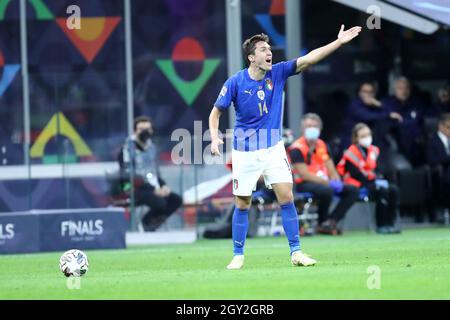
column 257, row 140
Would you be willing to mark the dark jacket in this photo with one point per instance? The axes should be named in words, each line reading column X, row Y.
column 436, row 153
column 146, row 167
column 358, row 111
column 411, row 110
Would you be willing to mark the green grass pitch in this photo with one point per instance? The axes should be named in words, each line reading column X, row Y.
column 413, row 265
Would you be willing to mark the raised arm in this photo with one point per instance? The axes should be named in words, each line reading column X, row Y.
column 322, row 52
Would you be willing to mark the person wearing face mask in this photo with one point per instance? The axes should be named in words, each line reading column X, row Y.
column 314, row 172
column 150, row 188
column 357, row 167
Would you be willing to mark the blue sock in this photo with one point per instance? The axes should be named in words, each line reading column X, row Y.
column 239, row 230
column 290, row 225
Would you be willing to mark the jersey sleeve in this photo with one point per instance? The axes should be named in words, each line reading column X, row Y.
column 227, row 95
column 287, row 68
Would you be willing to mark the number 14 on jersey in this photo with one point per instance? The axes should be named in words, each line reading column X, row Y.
column 262, row 108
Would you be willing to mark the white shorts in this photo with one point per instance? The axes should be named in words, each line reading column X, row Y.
column 272, row 163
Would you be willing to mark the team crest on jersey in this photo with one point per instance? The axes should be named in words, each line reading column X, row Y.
column 269, row 84
column 223, row 92
column 261, row 94
column 235, row 184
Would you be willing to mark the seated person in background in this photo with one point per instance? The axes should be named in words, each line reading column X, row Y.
column 150, row 188
column 438, row 152
column 409, row 130
column 357, row 167
column 366, row 108
column 314, row 172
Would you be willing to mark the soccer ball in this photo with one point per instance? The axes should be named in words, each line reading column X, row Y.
column 74, row 263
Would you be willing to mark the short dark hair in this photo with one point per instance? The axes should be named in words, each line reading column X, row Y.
column 140, row 119
column 444, row 117
column 249, row 45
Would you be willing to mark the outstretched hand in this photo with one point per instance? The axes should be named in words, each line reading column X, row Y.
column 348, row 35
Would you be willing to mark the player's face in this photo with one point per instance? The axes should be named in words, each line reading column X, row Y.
column 262, row 58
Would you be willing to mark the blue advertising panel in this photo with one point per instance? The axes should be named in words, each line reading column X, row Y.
column 59, row 230
column 82, row 229
column 19, row 232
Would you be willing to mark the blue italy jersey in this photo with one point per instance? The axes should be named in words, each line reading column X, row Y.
column 258, row 106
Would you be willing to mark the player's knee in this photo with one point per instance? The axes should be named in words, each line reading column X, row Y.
column 286, row 197
column 243, row 202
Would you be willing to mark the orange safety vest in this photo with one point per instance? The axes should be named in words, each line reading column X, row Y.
column 366, row 166
column 316, row 165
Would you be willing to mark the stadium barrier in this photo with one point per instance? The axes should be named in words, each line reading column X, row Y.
column 59, row 230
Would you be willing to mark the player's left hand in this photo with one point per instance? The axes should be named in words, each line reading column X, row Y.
column 348, row 35
column 215, row 146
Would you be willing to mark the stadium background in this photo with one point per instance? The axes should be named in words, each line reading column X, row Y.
column 85, row 81
column 77, row 119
